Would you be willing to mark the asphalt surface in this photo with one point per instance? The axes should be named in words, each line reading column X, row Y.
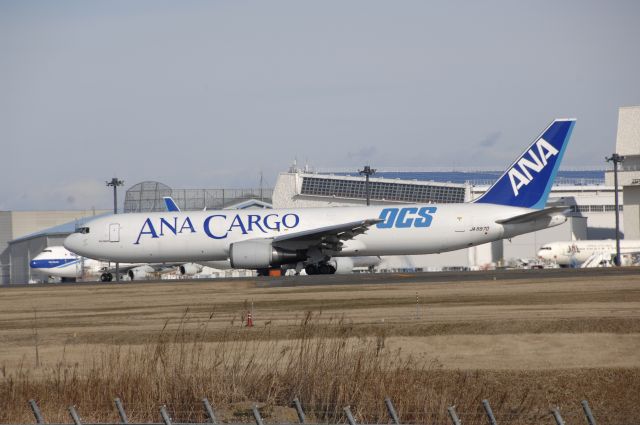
column 387, row 278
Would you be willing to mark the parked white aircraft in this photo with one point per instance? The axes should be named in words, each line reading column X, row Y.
column 574, row 253
column 311, row 237
column 57, row 261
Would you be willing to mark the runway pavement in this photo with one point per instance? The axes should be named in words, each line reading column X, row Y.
column 389, row 278
column 443, row 277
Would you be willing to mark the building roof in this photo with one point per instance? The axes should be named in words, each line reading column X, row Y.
column 61, row 229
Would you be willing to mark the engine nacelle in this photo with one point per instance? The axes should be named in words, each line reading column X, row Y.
column 343, row 265
column 261, row 254
column 140, row 272
column 189, row 269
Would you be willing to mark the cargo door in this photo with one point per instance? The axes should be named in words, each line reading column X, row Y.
column 114, row 232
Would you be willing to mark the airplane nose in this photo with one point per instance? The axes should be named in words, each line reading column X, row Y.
column 73, row 242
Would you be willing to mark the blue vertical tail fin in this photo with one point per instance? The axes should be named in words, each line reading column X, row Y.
column 527, row 182
column 170, row 204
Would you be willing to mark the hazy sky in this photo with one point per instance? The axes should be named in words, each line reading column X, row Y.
column 206, row 94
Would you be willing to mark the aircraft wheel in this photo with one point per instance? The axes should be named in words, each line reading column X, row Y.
column 311, row 269
column 109, row 277
column 104, row 277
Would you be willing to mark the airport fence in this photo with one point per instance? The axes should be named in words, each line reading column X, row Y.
column 208, row 416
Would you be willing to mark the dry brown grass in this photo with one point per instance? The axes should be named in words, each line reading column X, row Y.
column 323, row 363
column 526, row 346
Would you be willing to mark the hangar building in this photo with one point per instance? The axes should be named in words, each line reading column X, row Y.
column 22, row 226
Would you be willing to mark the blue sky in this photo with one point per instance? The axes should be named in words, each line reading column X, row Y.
column 208, row 94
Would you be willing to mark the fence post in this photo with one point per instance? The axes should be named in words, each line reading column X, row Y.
column 121, row 412
column 165, row 416
column 299, row 410
column 587, row 412
column 256, row 415
column 557, row 417
column 392, row 411
column 209, row 410
column 74, row 415
column 453, row 415
column 36, row 411
column 350, row 418
column 487, row 409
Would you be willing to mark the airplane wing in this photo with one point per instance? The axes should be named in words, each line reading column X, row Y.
column 328, row 237
column 523, row 218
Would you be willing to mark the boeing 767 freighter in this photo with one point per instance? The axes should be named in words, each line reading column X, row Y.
column 311, row 237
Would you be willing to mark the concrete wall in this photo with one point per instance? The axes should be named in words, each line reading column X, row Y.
column 6, row 234
column 628, row 145
column 628, row 137
column 631, row 216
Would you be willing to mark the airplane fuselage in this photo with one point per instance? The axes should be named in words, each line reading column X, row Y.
column 207, row 235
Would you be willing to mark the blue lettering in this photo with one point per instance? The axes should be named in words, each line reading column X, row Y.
column 173, row 228
column 151, row 231
column 425, row 217
column 388, row 217
column 237, row 222
column 207, row 228
column 187, row 225
column 255, row 219
column 276, row 224
column 403, row 222
column 284, row 220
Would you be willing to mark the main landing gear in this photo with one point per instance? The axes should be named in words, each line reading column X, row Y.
column 320, row 268
column 106, row 277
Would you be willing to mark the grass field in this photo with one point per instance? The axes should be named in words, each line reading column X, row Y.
column 527, row 346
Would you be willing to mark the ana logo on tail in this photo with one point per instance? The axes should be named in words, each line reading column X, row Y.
column 520, row 173
column 527, row 182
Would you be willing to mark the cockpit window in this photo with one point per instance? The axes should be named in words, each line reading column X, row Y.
column 546, row 248
column 83, row 230
column 46, row 250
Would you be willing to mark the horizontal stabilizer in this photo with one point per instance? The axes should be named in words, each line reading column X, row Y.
column 524, row 218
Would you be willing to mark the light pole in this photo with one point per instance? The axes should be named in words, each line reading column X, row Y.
column 115, row 183
column 367, row 171
column 616, row 159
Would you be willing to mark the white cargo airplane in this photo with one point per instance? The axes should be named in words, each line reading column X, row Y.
column 311, row 237
column 574, row 253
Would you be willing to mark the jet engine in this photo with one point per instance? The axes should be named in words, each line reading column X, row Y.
column 189, row 269
column 261, row 254
column 140, row 272
column 343, row 265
